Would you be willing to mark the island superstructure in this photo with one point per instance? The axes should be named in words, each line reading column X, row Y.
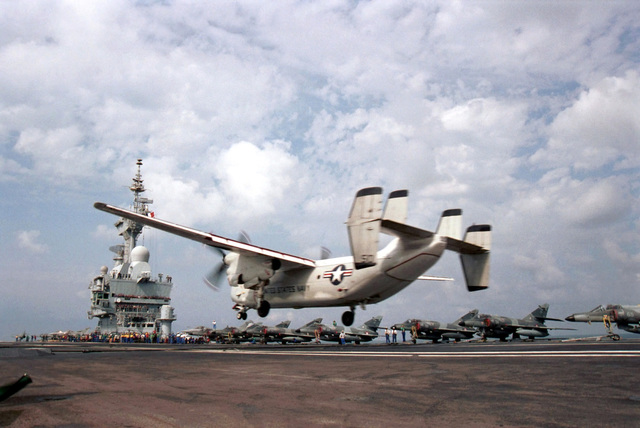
column 127, row 298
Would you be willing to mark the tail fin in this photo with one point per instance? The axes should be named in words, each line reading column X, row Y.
column 475, row 257
column 539, row 314
column 373, row 323
column 450, row 224
column 364, row 226
column 312, row 322
column 397, row 206
column 284, row 324
column 472, row 313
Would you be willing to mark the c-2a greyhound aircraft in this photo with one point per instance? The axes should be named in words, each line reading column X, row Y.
column 262, row 279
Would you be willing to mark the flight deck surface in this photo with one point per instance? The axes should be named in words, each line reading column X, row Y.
column 545, row 383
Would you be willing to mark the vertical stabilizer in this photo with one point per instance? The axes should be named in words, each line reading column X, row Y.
column 476, row 264
column 372, row 324
column 539, row 314
column 450, row 224
column 284, row 324
column 397, row 206
column 364, row 226
column 469, row 315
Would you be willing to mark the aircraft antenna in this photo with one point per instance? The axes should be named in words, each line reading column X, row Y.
column 129, row 229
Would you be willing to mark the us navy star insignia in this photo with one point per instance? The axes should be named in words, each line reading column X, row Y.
column 338, row 274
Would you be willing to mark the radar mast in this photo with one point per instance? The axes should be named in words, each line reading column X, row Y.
column 129, row 229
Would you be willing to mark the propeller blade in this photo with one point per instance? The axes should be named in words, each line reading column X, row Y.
column 244, row 237
column 213, row 278
column 209, row 283
column 325, row 253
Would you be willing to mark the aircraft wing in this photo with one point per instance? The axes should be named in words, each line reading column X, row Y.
column 288, row 261
column 451, row 330
column 538, row 327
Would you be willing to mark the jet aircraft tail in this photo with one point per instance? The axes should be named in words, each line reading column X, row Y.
column 284, row 324
column 469, row 315
column 540, row 314
column 373, row 323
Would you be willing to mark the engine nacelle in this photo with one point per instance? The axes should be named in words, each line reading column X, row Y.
column 249, row 271
column 244, row 296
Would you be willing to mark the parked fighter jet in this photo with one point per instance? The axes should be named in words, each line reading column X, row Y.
column 232, row 334
column 322, row 331
column 626, row 317
column 434, row 330
column 365, row 333
column 306, row 333
column 262, row 279
column 267, row 334
column 501, row 327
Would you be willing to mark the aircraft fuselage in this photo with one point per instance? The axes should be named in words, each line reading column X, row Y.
column 336, row 282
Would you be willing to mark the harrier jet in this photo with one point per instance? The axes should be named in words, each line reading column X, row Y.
column 262, row 278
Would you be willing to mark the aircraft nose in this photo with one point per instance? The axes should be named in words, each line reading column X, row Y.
column 570, row 318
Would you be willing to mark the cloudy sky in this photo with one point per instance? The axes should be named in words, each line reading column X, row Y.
column 268, row 117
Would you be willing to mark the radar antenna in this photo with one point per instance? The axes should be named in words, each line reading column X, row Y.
column 129, row 229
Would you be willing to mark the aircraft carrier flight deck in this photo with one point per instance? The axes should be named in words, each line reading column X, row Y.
column 543, row 383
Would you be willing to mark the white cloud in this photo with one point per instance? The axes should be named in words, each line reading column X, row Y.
column 257, row 179
column 600, row 128
column 28, row 240
column 542, row 266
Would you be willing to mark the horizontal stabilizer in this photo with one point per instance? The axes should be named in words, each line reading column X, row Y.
column 404, row 230
column 364, row 226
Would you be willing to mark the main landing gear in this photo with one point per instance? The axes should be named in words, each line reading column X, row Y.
column 263, row 310
column 348, row 317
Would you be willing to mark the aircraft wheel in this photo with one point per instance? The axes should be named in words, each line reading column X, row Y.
column 239, row 315
column 347, row 318
column 616, row 337
column 264, row 308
